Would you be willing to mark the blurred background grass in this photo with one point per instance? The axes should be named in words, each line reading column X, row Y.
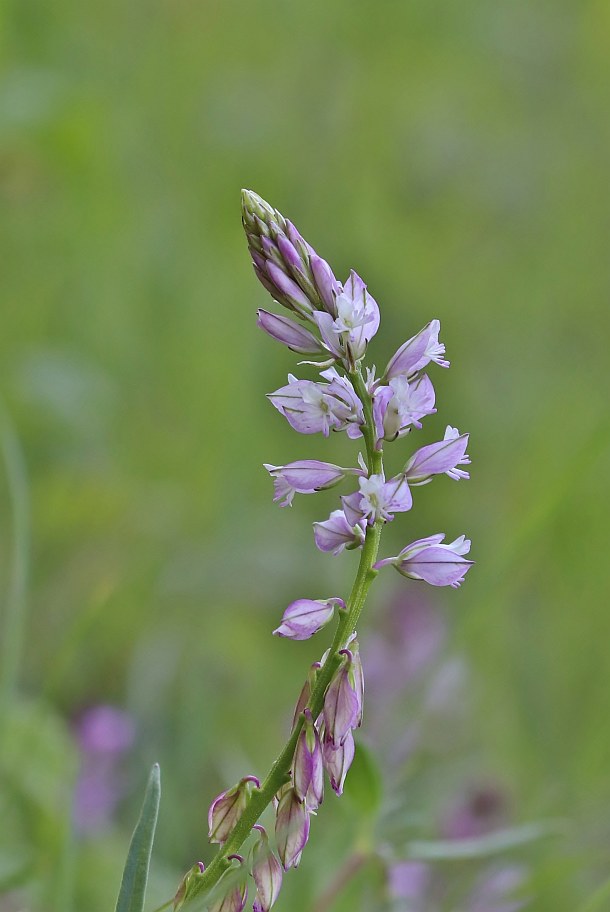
column 457, row 156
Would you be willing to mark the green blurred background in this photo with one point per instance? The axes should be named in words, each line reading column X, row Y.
column 456, row 155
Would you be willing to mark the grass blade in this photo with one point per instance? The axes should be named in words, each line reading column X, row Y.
column 135, row 875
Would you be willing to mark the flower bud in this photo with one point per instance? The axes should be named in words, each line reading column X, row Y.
column 235, row 895
column 308, row 769
column 342, row 707
column 337, row 760
column 291, row 828
column 287, row 292
column 289, row 333
column 267, row 873
column 356, row 675
column 306, row 692
column 305, row 617
column 228, row 807
column 326, row 283
column 182, row 891
column 285, row 263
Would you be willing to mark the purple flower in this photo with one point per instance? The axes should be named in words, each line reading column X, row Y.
column 356, row 322
column 306, row 476
column 430, row 560
column 337, row 760
column 437, row 458
column 289, row 333
column 417, row 352
column 308, row 770
column 336, row 533
column 380, row 499
column 291, row 828
column 342, row 703
column 399, row 406
column 266, row 871
column 304, row 617
column 347, row 405
column 228, row 807
column 312, row 408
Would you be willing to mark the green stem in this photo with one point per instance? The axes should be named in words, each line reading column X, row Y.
column 280, row 771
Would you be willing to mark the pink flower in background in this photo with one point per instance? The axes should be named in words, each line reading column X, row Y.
column 105, row 735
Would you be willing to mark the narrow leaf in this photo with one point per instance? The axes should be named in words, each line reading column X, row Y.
column 135, row 874
column 482, row 846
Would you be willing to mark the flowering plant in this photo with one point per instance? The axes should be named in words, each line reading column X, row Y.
column 331, row 323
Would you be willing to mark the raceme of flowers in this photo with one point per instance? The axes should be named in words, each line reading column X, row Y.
column 333, row 323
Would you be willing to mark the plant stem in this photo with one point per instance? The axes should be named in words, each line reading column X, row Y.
column 280, row 770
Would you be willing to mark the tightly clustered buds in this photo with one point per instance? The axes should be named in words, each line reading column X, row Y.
column 334, row 322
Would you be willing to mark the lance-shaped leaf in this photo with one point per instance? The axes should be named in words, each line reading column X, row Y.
column 135, row 875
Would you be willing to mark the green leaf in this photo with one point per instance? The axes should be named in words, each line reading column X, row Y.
column 135, row 874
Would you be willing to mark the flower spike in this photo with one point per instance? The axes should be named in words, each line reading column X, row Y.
column 332, row 324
